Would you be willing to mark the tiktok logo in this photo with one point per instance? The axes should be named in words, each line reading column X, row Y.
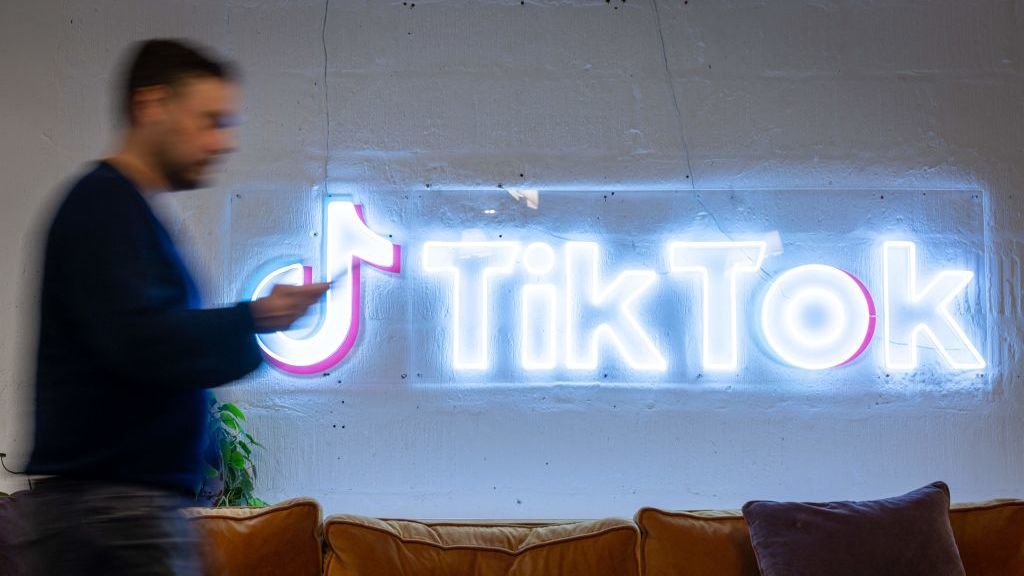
column 813, row 316
column 348, row 243
column 570, row 307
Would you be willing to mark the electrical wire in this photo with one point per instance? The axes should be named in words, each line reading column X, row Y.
column 9, row 471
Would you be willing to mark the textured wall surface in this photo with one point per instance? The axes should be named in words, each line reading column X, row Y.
column 381, row 97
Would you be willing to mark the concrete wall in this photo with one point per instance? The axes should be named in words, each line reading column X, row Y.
column 588, row 95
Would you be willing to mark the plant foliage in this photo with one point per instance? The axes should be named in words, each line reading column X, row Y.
column 230, row 480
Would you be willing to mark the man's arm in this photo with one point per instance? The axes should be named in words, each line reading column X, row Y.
column 129, row 311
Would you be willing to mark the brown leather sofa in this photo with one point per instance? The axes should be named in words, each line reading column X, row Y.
column 292, row 538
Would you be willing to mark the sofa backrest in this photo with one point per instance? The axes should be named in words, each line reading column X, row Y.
column 280, row 539
column 990, row 536
column 361, row 546
column 289, row 538
column 695, row 543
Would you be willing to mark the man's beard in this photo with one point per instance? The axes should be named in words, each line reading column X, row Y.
column 179, row 179
column 179, row 174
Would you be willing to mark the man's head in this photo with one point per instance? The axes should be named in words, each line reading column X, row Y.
column 180, row 107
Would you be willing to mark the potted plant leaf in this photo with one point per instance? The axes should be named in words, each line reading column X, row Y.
column 230, row 470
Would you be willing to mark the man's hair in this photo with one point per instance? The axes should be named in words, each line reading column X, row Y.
column 164, row 62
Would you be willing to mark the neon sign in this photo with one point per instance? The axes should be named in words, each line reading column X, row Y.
column 348, row 242
column 720, row 265
column 816, row 317
column 911, row 313
column 571, row 307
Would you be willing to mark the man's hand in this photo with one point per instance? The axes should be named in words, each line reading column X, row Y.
column 285, row 305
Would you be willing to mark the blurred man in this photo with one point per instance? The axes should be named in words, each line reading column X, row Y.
column 125, row 351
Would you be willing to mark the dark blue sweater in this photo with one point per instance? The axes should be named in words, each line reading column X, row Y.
column 125, row 353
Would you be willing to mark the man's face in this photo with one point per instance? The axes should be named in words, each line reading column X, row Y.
column 196, row 130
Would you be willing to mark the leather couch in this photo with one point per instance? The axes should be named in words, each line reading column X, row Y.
column 293, row 538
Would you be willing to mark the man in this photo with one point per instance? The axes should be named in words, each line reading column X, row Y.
column 125, row 351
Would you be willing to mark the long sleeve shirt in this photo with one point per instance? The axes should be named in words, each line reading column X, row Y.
column 125, row 352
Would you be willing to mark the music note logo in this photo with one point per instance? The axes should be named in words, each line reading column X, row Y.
column 348, row 243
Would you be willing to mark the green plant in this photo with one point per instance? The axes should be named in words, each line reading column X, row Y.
column 230, row 479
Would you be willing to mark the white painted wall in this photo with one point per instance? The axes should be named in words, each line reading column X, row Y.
column 844, row 94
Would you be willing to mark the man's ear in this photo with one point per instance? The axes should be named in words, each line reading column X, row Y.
column 149, row 104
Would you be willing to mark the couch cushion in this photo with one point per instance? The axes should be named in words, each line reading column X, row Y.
column 990, row 537
column 279, row 539
column 695, row 543
column 361, row 546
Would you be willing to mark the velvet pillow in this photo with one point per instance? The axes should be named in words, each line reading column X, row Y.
column 908, row 535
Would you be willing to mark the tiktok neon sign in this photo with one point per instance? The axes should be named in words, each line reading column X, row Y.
column 571, row 309
column 348, row 243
